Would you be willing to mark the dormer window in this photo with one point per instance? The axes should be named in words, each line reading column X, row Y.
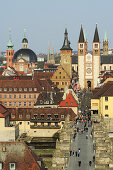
column 43, row 88
column 35, row 89
column 47, row 102
column 30, row 89
column 15, row 89
column 41, row 102
column 25, row 89
column 10, row 89
column 12, row 166
column 20, row 89
column 5, row 89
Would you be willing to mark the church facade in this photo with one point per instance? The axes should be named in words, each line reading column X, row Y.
column 88, row 64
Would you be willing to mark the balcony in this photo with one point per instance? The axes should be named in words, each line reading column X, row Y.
column 49, row 120
column 44, row 127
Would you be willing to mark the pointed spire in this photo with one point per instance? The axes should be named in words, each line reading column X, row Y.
column 66, row 45
column 105, row 36
column 48, row 53
column 53, row 49
column 96, row 36
column 81, row 36
column 24, row 33
column 85, row 35
column 10, row 44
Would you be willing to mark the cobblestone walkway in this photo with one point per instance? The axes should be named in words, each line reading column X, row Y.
column 86, row 153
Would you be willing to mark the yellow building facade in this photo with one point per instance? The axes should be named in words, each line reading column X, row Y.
column 102, row 101
column 61, row 79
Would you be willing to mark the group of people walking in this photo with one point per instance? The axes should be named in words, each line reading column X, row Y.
column 80, row 131
column 75, row 153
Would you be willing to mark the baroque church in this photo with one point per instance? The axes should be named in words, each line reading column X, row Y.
column 23, row 60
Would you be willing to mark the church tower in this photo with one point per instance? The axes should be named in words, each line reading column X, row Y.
column 9, row 52
column 66, row 55
column 50, row 57
column 81, row 58
column 105, row 45
column 96, row 57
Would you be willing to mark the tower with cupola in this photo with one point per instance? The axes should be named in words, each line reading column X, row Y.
column 96, row 57
column 9, row 52
column 24, row 41
column 105, row 45
column 66, row 55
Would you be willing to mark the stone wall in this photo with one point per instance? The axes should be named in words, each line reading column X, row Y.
column 102, row 145
column 61, row 155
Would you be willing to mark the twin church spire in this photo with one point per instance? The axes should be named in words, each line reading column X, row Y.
column 82, row 37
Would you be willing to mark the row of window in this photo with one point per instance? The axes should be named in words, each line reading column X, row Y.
column 67, row 103
column 17, row 96
column 35, row 117
column 17, row 104
column 19, row 89
column 107, row 69
column 49, row 116
column 62, row 83
column 46, row 102
column 60, row 77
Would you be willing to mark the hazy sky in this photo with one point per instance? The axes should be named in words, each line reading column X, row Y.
column 45, row 20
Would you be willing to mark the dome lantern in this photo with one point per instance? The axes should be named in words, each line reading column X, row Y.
column 24, row 41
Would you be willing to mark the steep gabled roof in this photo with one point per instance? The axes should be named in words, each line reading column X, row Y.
column 69, row 101
column 96, row 36
column 81, row 36
column 51, row 97
column 66, row 45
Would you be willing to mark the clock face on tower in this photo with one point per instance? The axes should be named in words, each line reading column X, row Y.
column 88, row 70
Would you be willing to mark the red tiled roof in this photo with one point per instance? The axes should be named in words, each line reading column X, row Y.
column 43, row 75
column 3, row 111
column 69, row 101
column 51, row 97
column 41, row 85
column 103, row 90
column 20, row 154
column 39, row 111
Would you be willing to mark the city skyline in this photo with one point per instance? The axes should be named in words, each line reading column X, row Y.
column 46, row 22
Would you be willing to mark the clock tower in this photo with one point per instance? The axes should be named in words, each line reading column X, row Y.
column 66, row 55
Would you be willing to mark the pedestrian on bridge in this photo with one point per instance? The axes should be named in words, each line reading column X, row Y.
column 79, row 163
column 79, row 150
column 93, row 158
column 76, row 153
column 70, row 153
column 90, row 163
